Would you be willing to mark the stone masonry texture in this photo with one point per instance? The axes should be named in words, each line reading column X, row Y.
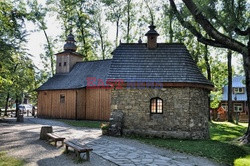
column 185, row 112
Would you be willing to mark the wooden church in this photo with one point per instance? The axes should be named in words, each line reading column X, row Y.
column 157, row 86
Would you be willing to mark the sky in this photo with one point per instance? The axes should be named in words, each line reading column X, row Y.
column 36, row 39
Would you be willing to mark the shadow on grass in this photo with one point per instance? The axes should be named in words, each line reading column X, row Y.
column 216, row 150
column 224, row 132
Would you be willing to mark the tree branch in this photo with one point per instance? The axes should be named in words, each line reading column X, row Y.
column 193, row 30
column 242, row 33
column 211, row 31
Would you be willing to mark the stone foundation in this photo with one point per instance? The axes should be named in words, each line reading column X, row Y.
column 185, row 112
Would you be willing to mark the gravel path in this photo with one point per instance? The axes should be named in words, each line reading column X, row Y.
column 22, row 140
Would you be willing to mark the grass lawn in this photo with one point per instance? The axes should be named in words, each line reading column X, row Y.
column 83, row 123
column 6, row 160
column 222, row 147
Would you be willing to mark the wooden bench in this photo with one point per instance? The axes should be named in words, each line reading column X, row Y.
column 54, row 138
column 78, row 148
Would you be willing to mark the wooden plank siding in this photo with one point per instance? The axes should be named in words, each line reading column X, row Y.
column 90, row 104
column 81, row 104
column 98, row 102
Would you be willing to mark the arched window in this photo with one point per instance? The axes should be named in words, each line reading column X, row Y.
column 156, row 105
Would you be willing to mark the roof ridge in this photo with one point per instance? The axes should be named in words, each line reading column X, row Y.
column 95, row 60
column 146, row 43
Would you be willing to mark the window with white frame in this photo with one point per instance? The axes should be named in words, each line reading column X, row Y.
column 238, row 107
column 224, row 105
column 238, row 90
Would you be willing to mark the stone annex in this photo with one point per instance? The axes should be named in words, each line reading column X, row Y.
column 156, row 87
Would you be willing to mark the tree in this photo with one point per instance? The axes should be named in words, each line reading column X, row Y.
column 114, row 14
column 74, row 15
column 219, row 39
column 128, row 8
column 12, row 37
column 168, row 21
column 37, row 15
column 100, row 30
column 230, row 102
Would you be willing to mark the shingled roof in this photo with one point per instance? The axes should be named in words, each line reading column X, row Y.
column 77, row 77
column 169, row 63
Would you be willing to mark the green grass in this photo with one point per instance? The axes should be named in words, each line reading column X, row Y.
column 82, row 123
column 6, row 160
column 222, row 147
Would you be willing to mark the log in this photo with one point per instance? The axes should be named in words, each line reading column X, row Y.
column 44, row 131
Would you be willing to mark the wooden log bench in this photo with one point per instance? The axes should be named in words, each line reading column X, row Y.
column 78, row 148
column 54, row 138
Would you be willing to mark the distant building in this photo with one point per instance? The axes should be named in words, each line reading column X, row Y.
column 239, row 98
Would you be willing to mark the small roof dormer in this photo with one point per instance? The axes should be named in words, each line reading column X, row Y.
column 152, row 35
column 70, row 43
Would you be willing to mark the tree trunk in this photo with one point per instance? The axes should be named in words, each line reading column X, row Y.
column 101, row 38
column 44, row 131
column 117, row 32
column 128, row 23
column 6, row 104
column 230, row 102
column 246, row 60
column 16, row 105
column 170, row 25
column 50, row 52
column 208, row 77
column 81, row 27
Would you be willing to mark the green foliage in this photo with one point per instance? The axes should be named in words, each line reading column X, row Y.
column 114, row 13
column 37, row 16
column 221, row 147
column 17, row 74
column 242, row 161
column 105, row 126
column 81, row 123
column 6, row 160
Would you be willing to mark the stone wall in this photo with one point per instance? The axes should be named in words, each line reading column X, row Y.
column 185, row 112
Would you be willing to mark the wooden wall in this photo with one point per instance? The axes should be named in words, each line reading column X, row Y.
column 98, row 102
column 81, row 104
column 91, row 104
column 49, row 104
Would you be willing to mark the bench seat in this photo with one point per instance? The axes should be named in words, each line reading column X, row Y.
column 78, row 148
column 54, row 138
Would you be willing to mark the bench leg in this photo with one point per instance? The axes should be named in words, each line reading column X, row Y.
column 78, row 155
column 62, row 143
column 55, row 143
column 67, row 149
column 87, row 155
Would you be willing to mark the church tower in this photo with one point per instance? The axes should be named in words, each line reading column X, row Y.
column 67, row 59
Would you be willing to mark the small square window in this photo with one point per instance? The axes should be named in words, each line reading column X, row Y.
column 60, row 64
column 238, row 90
column 238, row 107
column 64, row 64
column 62, row 98
column 156, row 105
